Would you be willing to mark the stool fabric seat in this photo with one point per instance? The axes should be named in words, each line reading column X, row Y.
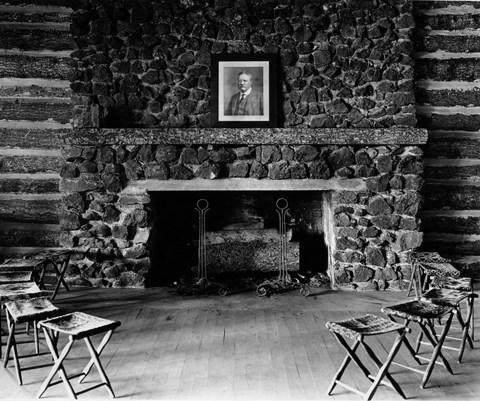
column 77, row 325
column 367, row 325
column 26, row 311
column 428, row 257
column 452, row 283
column 19, row 290
column 416, row 310
column 423, row 313
column 15, row 277
column 18, row 265
column 447, row 297
column 357, row 328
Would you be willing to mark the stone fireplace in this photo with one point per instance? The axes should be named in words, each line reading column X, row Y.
column 141, row 83
column 370, row 180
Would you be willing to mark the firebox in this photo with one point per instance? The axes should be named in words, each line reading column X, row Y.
column 242, row 233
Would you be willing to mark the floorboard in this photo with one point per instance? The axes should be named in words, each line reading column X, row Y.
column 238, row 347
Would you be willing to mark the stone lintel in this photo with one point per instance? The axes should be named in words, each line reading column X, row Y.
column 244, row 184
column 246, row 136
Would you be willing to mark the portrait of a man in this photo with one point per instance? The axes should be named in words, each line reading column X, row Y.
column 243, row 91
column 247, row 101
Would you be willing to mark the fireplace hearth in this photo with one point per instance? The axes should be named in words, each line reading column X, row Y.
column 369, row 181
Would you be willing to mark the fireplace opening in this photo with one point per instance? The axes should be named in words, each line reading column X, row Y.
column 242, row 233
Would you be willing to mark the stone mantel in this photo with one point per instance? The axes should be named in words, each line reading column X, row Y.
column 245, row 136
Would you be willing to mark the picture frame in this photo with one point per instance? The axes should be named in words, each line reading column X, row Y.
column 254, row 76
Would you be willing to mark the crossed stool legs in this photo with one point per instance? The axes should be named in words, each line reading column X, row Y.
column 357, row 329
column 423, row 313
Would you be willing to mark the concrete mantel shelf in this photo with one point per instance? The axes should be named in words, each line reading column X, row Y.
column 245, row 136
column 244, row 184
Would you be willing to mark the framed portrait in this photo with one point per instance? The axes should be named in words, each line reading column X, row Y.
column 244, row 92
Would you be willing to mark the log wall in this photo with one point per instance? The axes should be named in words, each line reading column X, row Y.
column 447, row 53
column 35, row 106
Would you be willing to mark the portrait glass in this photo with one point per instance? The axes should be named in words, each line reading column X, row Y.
column 242, row 90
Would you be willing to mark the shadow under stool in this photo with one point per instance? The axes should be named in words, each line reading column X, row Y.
column 77, row 326
column 423, row 313
column 26, row 311
column 357, row 329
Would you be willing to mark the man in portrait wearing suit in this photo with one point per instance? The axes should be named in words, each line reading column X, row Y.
column 246, row 102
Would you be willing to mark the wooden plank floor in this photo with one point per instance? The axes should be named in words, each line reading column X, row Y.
column 239, row 347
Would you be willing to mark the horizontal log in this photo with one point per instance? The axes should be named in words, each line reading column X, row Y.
column 63, row 3
column 35, row 66
column 35, row 14
column 39, row 90
column 232, row 136
column 444, row 21
column 447, row 97
column 449, row 121
column 33, row 238
column 30, row 164
column 448, row 169
column 452, row 244
column 452, row 222
column 451, row 69
column 31, row 138
column 28, row 185
column 459, row 195
column 27, row 211
column 34, row 39
column 435, row 41
column 36, row 109
column 429, row 6
column 453, row 144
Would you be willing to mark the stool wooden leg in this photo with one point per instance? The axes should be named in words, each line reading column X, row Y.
column 350, row 356
column 465, row 328
column 105, row 340
column 384, row 367
column 58, row 366
column 344, row 364
column 437, row 350
column 472, row 320
column 12, row 347
column 407, row 343
column 60, row 272
column 96, row 361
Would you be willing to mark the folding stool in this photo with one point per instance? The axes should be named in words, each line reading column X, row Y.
column 26, row 311
column 58, row 260
column 357, row 329
column 425, row 266
column 11, row 292
column 459, row 284
column 423, row 313
column 453, row 298
column 76, row 325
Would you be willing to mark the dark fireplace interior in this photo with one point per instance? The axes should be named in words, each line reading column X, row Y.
column 174, row 238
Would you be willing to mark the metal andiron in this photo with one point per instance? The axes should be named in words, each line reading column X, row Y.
column 202, row 284
column 285, row 281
